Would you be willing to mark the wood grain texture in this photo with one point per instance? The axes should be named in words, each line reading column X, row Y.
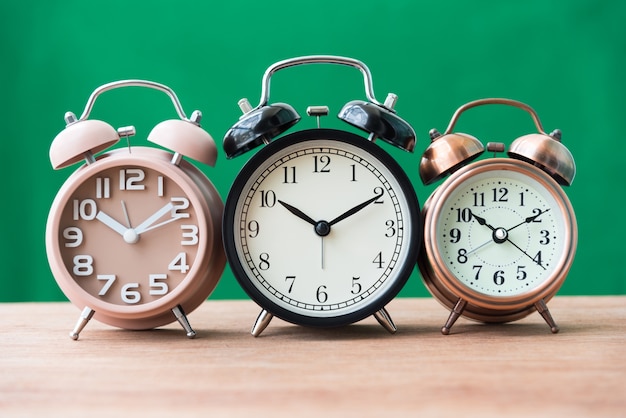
column 515, row 369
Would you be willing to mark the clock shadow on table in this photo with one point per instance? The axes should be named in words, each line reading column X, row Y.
column 510, row 329
column 363, row 330
column 136, row 336
column 355, row 331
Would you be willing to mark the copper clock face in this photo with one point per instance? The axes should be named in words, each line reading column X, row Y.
column 322, row 228
column 501, row 232
column 127, row 234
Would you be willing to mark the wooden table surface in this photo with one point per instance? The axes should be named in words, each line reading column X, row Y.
column 516, row 369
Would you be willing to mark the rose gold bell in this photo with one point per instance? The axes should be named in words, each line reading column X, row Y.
column 450, row 151
column 546, row 152
column 447, row 153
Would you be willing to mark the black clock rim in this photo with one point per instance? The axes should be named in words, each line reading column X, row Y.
column 406, row 187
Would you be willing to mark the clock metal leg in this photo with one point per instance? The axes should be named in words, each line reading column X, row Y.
column 84, row 317
column 454, row 315
column 385, row 320
column 545, row 313
column 182, row 319
column 261, row 323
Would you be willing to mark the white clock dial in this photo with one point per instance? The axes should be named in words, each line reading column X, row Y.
column 322, row 228
column 501, row 233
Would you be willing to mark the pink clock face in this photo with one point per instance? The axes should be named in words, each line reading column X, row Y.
column 128, row 235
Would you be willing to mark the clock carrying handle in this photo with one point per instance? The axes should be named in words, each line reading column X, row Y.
column 508, row 102
column 132, row 83
column 92, row 136
column 318, row 59
column 541, row 149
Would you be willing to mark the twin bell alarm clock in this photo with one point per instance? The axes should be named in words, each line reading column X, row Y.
column 499, row 233
column 133, row 236
column 321, row 226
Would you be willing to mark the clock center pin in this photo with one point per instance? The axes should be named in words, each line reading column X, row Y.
column 500, row 235
column 131, row 236
column 322, row 228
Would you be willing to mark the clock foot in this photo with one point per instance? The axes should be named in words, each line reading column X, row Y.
column 182, row 319
column 84, row 317
column 385, row 320
column 545, row 313
column 454, row 315
column 261, row 323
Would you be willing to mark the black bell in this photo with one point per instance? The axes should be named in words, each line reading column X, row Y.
column 259, row 126
column 379, row 121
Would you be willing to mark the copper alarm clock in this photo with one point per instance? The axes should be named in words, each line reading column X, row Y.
column 500, row 234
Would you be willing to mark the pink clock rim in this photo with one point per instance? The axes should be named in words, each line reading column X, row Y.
column 150, row 158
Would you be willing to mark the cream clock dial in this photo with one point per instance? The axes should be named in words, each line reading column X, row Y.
column 501, row 234
column 322, row 228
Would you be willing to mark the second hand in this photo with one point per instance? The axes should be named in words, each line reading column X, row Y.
column 322, row 252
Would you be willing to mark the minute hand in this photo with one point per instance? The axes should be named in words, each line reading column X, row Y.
column 355, row 209
column 528, row 220
column 147, row 224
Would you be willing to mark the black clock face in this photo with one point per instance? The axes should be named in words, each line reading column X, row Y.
column 322, row 228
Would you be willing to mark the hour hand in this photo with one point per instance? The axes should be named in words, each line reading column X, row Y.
column 149, row 223
column 482, row 221
column 298, row 213
column 111, row 223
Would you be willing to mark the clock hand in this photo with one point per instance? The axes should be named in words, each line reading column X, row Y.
column 528, row 220
column 321, row 228
column 111, row 223
column 479, row 247
column 126, row 214
column 150, row 228
column 298, row 213
column 501, row 235
column 482, row 221
column 322, row 251
column 147, row 224
column 526, row 254
column 355, row 209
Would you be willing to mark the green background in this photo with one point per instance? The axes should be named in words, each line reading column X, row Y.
column 564, row 58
